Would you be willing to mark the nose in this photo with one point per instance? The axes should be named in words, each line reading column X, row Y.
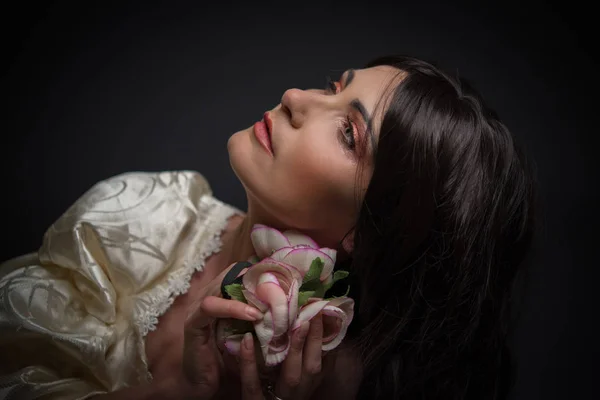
column 299, row 102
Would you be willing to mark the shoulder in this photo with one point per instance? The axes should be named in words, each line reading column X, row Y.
column 181, row 179
column 146, row 208
column 138, row 192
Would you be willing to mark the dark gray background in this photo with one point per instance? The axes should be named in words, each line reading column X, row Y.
column 93, row 91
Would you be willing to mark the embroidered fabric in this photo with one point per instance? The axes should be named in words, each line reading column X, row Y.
column 73, row 316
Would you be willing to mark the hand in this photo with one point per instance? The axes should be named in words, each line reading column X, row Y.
column 301, row 371
column 299, row 374
column 201, row 365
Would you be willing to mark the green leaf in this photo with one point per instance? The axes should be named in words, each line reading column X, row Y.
column 337, row 276
column 320, row 292
column 304, row 296
column 314, row 272
column 313, row 284
column 235, row 291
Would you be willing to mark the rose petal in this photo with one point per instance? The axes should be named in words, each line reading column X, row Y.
column 255, row 301
column 330, row 252
column 285, row 274
column 264, row 329
column 282, row 252
column 296, row 238
column 272, row 359
column 268, row 277
column 303, row 258
column 279, row 343
column 342, row 308
column 346, row 304
column 233, row 344
column 272, row 286
column 331, row 318
column 266, row 240
column 308, row 311
column 273, row 295
column 274, row 348
column 293, row 302
column 275, row 354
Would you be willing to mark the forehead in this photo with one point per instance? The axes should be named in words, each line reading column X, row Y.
column 380, row 75
column 373, row 86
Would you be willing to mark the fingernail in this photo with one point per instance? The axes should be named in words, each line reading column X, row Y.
column 248, row 340
column 253, row 313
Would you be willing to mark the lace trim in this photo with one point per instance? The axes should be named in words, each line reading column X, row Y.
column 158, row 300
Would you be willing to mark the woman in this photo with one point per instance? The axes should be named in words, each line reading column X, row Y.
column 399, row 166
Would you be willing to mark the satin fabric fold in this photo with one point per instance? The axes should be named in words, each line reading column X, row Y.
column 73, row 316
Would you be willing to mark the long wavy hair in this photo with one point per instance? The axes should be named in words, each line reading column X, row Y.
column 444, row 226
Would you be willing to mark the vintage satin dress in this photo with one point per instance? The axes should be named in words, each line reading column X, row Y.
column 74, row 315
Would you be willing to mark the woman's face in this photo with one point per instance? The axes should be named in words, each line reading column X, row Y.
column 318, row 139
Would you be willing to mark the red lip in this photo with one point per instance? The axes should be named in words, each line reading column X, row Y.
column 261, row 132
column 269, row 123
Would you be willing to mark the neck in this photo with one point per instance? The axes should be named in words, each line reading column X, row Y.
column 237, row 244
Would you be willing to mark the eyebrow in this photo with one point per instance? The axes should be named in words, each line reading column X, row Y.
column 347, row 78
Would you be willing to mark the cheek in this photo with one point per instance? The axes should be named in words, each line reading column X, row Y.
column 307, row 185
column 316, row 180
column 247, row 160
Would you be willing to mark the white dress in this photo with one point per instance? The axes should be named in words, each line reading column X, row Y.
column 73, row 316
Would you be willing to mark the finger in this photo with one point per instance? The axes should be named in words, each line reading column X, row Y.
column 196, row 319
column 195, row 312
column 291, row 369
column 251, row 388
column 199, row 361
column 312, row 348
column 218, row 307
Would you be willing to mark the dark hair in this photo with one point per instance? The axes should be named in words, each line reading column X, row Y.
column 446, row 222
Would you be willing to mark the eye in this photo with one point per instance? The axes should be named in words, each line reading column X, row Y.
column 346, row 127
column 331, row 86
column 348, row 132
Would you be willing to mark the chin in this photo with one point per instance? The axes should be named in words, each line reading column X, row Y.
column 239, row 148
column 235, row 140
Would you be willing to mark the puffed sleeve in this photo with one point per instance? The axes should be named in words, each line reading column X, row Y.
column 70, row 314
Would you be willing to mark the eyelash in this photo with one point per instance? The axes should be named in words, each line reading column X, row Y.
column 346, row 123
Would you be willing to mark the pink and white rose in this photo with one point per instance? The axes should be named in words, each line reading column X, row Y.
column 337, row 314
column 273, row 284
column 293, row 248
